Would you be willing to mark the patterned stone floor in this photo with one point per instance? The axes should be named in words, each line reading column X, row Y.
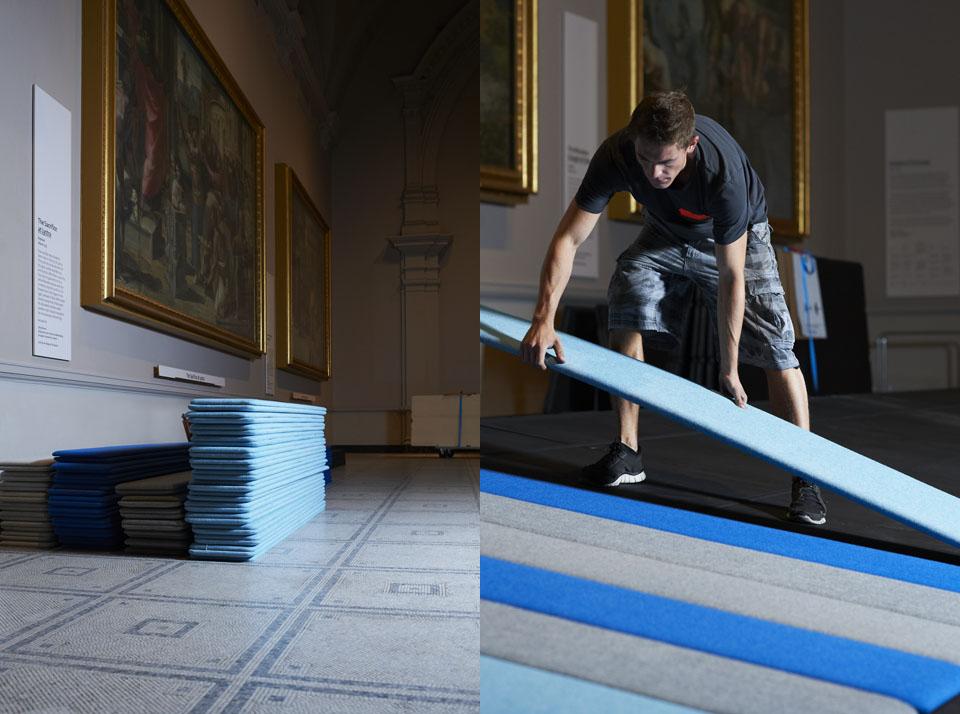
column 371, row 607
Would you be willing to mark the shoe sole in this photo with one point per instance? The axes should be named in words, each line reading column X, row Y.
column 628, row 478
column 807, row 519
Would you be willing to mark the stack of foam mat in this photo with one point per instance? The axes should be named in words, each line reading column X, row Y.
column 83, row 498
column 152, row 514
column 24, row 519
column 630, row 606
column 257, row 474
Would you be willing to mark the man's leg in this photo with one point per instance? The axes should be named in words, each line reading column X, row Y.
column 788, row 396
column 788, row 400
column 622, row 463
column 629, row 343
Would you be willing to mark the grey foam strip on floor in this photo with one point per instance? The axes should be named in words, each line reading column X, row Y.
column 730, row 593
column 849, row 586
column 676, row 674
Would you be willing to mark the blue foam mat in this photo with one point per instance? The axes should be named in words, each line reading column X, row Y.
column 923, row 682
column 800, row 452
column 508, row 688
column 110, row 453
column 721, row 530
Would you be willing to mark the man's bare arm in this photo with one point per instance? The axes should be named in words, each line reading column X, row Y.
column 731, row 298
column 574, row 228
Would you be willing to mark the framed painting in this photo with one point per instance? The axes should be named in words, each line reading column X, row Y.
column 172, row 179
column 303, row 280
column 743, row 63
column 508, row 100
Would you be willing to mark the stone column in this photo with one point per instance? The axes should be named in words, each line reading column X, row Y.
column 420, row 257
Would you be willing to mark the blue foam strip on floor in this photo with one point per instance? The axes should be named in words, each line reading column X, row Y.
column 507, row 688
column 920, row 681
column 721, row 530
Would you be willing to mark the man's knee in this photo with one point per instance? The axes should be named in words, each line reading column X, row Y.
column 627, row 342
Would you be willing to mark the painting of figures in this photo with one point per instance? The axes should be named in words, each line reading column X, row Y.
column 186, row 168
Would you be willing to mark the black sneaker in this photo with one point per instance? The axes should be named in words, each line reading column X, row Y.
column 621, row 464
column 806, row 505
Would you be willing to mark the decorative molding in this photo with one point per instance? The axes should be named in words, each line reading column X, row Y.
column 429, row 95
column 18, row 372
column 290, row 36
column 420, row 257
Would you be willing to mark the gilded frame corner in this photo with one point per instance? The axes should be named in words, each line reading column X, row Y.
column 514, row 183
column 625, row 90
column 99, row 290
column 288, row 185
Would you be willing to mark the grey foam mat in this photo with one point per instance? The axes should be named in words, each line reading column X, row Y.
column 916, row 602
column 677, row 674
column 155, row 485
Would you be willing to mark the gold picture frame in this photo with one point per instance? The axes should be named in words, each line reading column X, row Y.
column 780, row 120
column 508, row 101
column 172, row 179
column 303, row 305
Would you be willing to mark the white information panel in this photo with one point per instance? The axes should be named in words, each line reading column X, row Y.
column 52, row 230
column 923, row 236
column 806, row 290
column 581, row 108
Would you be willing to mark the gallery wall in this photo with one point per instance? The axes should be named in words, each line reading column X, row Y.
column 107, row 393
column 896, row 56
column 865, row 57
column 368, row 182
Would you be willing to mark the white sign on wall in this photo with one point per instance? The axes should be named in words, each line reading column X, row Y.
column 581, row 108
column 809, row 301
column 923, row 233
column 52, row 229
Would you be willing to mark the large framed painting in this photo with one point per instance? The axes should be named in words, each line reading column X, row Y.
column 172, row 168
column 742, row 62
column 303, row 280
column 508, row 100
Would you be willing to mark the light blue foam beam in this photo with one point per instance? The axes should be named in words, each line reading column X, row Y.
column 781, row 443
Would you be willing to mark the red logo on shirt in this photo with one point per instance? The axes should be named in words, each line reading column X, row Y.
column 693, row 216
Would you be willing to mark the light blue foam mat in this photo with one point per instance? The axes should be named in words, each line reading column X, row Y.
column 508, row 688
column 919, row 571
column 227, row 552
column 269, row 437
column 266, row 511
column 206, row 426
column 251, row 500
column 800, row 452
column 922, row 682
column 244, row 491
column 216, row 404
column 234, row 419
column 258, row 415
column 257, row 460
column 261, row 534
column 259, row 517
column 240, row 451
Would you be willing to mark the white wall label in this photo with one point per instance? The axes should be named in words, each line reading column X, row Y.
column 809, row 318
column 187, row 375
column 52, row 229
column 923, row 234
column 581, row 106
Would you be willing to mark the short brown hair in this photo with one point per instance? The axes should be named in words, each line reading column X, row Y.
column 663, row 118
